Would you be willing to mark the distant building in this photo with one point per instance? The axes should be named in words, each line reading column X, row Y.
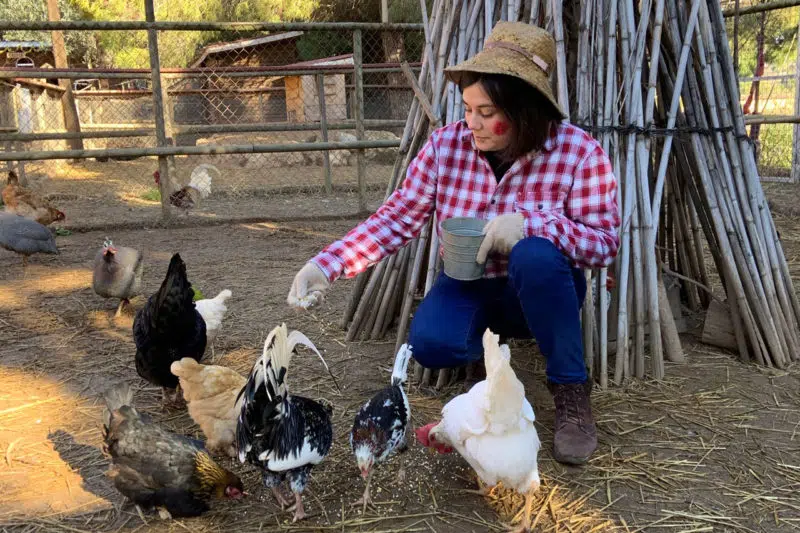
column 30, row 54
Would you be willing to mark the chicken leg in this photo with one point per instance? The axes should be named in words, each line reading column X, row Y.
column 365, row 498
column 299, row 510
column 526, row 515
column 122, row 304
column 282, row 501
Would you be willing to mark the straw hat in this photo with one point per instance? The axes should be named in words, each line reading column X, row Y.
column 517, row 49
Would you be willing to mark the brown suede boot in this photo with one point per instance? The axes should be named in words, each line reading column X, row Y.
column 575, row 434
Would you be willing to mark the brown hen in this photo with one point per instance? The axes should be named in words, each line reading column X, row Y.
column 26, row 203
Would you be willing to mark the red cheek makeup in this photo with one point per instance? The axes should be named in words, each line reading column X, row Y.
column 500, row 128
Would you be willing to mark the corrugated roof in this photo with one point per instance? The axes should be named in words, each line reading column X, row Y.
column 244, row 43
column 15, row 45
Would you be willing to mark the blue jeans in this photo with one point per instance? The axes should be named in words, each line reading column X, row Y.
column 541, row 298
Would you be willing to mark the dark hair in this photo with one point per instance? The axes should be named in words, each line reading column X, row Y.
column 530, row 112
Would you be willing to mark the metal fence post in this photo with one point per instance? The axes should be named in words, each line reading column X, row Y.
column 323, row 126
column 795, row 173
column 359, row 112
column 158, row 109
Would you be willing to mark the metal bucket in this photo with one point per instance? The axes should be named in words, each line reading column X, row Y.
column 461, row 238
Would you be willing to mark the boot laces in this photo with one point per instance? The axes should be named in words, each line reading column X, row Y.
column 570, row 400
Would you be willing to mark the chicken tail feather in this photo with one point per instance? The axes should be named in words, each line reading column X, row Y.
column 175, row 292
column 116, row 397
column 400, row 370
column 264, row 394
column 505, row 391
column 200, row 179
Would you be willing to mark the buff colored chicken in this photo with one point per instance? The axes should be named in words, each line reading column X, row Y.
column 211, row 394
column 491, row 427
column 26, row 203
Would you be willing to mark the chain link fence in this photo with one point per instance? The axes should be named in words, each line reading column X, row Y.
column 766, row 56
column 229, row 86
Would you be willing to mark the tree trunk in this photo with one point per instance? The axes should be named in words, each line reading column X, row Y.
column 72, row 122
column 393, row 51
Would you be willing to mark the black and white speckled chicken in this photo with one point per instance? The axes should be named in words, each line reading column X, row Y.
column 167, row 329
column 380, row 426
column 283, row 434
column 156, row 468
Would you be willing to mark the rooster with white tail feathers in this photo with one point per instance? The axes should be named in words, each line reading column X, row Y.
column 198, row 188
column 283, row 434
column 380, row 426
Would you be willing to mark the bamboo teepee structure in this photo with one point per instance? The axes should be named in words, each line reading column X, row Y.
column 653, row 81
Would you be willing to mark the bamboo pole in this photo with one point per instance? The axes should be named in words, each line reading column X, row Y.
column 561, row 56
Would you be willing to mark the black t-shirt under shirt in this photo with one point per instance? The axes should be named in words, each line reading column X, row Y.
column 499, row 167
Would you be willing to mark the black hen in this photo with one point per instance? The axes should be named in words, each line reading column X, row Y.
column 168, row 328
column 156, row 468
column 282, row 434
column 380, row 426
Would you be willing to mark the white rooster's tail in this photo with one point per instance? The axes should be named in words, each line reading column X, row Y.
column 200, row 179
column 400, row 370
column 505, row 392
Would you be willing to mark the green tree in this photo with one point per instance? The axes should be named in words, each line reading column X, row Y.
column 780, row 40
column 129, row 49
column 81, row 46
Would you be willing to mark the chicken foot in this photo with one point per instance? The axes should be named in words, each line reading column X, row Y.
column 174, row 400
column 482, row 490
column 365, row 498
column 282, row 501
column 299, row 510
column 122, row 304
column 525, row 527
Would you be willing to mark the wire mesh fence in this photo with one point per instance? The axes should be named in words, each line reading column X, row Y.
column 766, row 55
column 225, row 87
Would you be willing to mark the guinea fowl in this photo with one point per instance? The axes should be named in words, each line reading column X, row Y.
column 283, row 434
column 25, row 237
column 156, row 468
column 381, row 424
column 167, row 329
column 117, row 273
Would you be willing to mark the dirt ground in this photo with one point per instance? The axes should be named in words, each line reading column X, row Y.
column 713, row 447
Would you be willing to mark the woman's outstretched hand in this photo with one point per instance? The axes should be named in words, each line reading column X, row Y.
column 308, row 288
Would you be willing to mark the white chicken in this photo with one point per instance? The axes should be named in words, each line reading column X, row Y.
column 491, row 427
column 213, row 310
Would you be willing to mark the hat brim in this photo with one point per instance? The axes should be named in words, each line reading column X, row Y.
column 501, row 61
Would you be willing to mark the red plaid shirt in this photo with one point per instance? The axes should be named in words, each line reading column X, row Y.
column 567, row 194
